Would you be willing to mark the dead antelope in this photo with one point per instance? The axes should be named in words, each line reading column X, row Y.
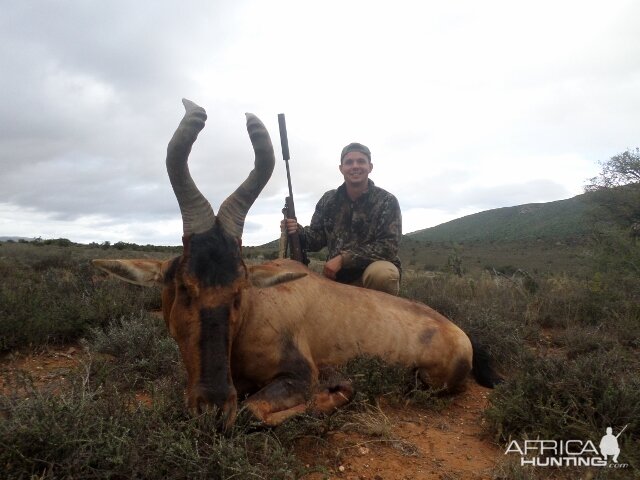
column 262, row 333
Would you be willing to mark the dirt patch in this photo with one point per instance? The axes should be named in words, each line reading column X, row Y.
column 421, row 444
column 47, row 369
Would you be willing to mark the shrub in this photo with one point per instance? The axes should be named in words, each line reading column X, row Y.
column 139, row 345
column 555, row 398
column 59, row 299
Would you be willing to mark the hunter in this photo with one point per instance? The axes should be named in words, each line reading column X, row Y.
column 360, row 224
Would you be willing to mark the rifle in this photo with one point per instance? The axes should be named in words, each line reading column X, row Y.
column 289, row 210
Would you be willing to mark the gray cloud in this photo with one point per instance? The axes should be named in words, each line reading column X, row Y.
column 444, row 196
column 90, row 94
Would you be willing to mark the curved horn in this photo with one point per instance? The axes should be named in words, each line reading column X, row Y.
column 197, row 214
column 234, row 209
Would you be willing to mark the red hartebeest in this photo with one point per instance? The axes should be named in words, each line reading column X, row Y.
column 262, row 332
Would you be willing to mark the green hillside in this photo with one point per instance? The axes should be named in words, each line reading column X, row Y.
column 562, row 220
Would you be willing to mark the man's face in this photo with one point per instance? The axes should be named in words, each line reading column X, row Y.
column 356, row 168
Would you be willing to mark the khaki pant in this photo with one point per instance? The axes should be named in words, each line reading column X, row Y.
column 382, row 276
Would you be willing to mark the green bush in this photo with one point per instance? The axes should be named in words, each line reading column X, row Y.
column 555, row 398
column 139, row 346
column 55, row 298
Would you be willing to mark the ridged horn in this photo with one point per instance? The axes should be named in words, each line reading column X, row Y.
column 197, row 214
column 234, row 209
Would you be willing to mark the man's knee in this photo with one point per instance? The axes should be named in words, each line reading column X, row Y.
column 383, row 276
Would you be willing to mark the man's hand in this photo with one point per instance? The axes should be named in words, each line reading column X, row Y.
column 292, row 225
column 332, row 267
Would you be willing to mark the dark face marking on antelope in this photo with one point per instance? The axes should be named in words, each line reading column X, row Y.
column 214, row 258
column 215, row 375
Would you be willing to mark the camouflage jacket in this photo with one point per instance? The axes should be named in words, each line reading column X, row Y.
column 364, row 231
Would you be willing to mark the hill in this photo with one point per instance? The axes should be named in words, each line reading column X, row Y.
column 553, row 237
column 559, row 221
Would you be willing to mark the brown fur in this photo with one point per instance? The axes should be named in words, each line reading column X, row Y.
column 333, row 323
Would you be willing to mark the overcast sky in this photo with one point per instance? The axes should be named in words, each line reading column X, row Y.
column 465, row 105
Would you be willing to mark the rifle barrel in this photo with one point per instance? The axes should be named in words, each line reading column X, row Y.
column 284, row 143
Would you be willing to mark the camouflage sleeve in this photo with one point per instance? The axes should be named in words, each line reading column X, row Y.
column 388, row 233
column 314, row 235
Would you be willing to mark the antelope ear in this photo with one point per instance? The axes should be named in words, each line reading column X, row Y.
column 265, row 276
column 147, row 273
